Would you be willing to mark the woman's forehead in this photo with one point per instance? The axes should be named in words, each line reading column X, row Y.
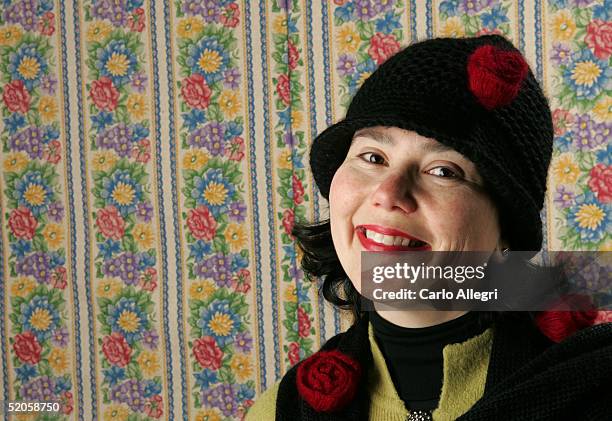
column 391, row 136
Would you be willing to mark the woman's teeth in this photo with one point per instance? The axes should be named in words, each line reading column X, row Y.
column 390, row 240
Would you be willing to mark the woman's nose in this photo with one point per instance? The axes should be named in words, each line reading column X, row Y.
column 396, row 191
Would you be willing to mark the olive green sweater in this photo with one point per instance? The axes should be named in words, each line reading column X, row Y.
column 465, row 373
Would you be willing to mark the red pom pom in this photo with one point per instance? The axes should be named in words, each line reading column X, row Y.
column 559, row 323
column 495, row 75
column 328, row 380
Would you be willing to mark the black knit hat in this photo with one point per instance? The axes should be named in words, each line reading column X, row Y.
column 476, row 95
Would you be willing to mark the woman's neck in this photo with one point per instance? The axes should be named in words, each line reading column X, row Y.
column 417, row 319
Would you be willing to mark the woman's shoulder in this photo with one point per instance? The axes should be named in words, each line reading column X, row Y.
column 264, row 407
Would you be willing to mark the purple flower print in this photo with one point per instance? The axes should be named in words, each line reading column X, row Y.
column 210, row 11
column 150, row 339
column 144, row 211
column 243, row 342
column 48, row 84
column 29, row 140
column 346, row 64
column 563, row 197
column 39, row 389
column 138, row 81
column 237, row 211
column 471, row 7
column 560, row 54
column 60, row 337
column 55, row 211
column 365, row 9
column 231, row 78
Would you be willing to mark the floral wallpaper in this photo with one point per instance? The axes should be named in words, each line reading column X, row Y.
column 155, row 159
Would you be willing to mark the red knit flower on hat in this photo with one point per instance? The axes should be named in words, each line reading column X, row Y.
column 328, row 380
column 559, row 322
column 495, row 75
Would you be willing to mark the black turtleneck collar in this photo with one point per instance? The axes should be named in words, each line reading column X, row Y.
column 414, row 355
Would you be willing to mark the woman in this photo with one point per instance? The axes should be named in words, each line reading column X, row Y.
column 447, row 146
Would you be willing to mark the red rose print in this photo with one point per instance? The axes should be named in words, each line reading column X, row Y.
column 154, row 407
column 58, row 278
column 116, row 349
column 148, row 280
column 207, row 353
column 23, row 223
column 136, row 20
column 201, row 223
column 46, row 24
column 104, row 94
column 563, row 121
column 288, row 221
column 235, row 151
column 51, row 153
column 298, row 190
column 294, row 353
column 599, row 38
column 328, row 380
column 241, row 281
column 195, row 91
column 601, row 182
column 230, row 15
column 382, row 47
column 111, row 223
column 27, row 348
column 16, row 97
column 282, row 89
column 303, row 323
column 294, row 56
column 66, row 403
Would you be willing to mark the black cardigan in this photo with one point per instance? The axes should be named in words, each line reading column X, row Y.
column 528, row 378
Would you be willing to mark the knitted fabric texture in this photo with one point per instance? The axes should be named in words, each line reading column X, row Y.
column 476, row 95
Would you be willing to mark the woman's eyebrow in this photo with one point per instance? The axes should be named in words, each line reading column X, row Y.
column 383, row 138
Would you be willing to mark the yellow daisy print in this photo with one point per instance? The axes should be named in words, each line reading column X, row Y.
column 195, row 159
column 297, row 118
column 201, row 290
column 116, row 413
column 208, row 415
column 98, row 31
column 229, row 103
column 108, row 288
column 603, row 109
column 280, row 25
column 53, row 235
column 348, row 39
column 190, row 27
column 241, row 365
column 453, row 27
column 137, row 107
column 291, row 294
column 15, row 162
column 284, row 160
column 148, row 362
column 144, row 236
column 566, row 170
column 47, row 108
column 21, row 287
column 104, row 160
column 10, row 35
column 563, row 26
column 58, row 360
column 590, row 216
column 236, row 237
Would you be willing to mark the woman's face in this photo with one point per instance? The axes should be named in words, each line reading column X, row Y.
column 397, row 182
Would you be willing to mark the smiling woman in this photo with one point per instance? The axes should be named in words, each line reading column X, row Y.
column 445, row 147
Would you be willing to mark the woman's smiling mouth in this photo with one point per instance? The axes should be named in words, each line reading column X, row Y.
column 378, row 238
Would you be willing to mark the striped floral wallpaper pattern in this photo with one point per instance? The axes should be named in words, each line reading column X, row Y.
column 154, row 161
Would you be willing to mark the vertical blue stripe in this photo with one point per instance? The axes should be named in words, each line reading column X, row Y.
column 413, row 22
column 160, row 201
column 313, row 129
column 69, row 182
column 83, row 158
column 255, row 196
column 177, row 217
column 328, row 105
column 429, row 21
column 540, row 76
column 267, row 140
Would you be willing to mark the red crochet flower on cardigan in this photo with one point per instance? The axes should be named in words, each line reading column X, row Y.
column 559, row 322
column 328, row 380
column 495, row 75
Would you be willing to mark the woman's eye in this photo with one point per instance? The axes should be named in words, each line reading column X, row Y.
column 371, row 154
column 444, row 172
